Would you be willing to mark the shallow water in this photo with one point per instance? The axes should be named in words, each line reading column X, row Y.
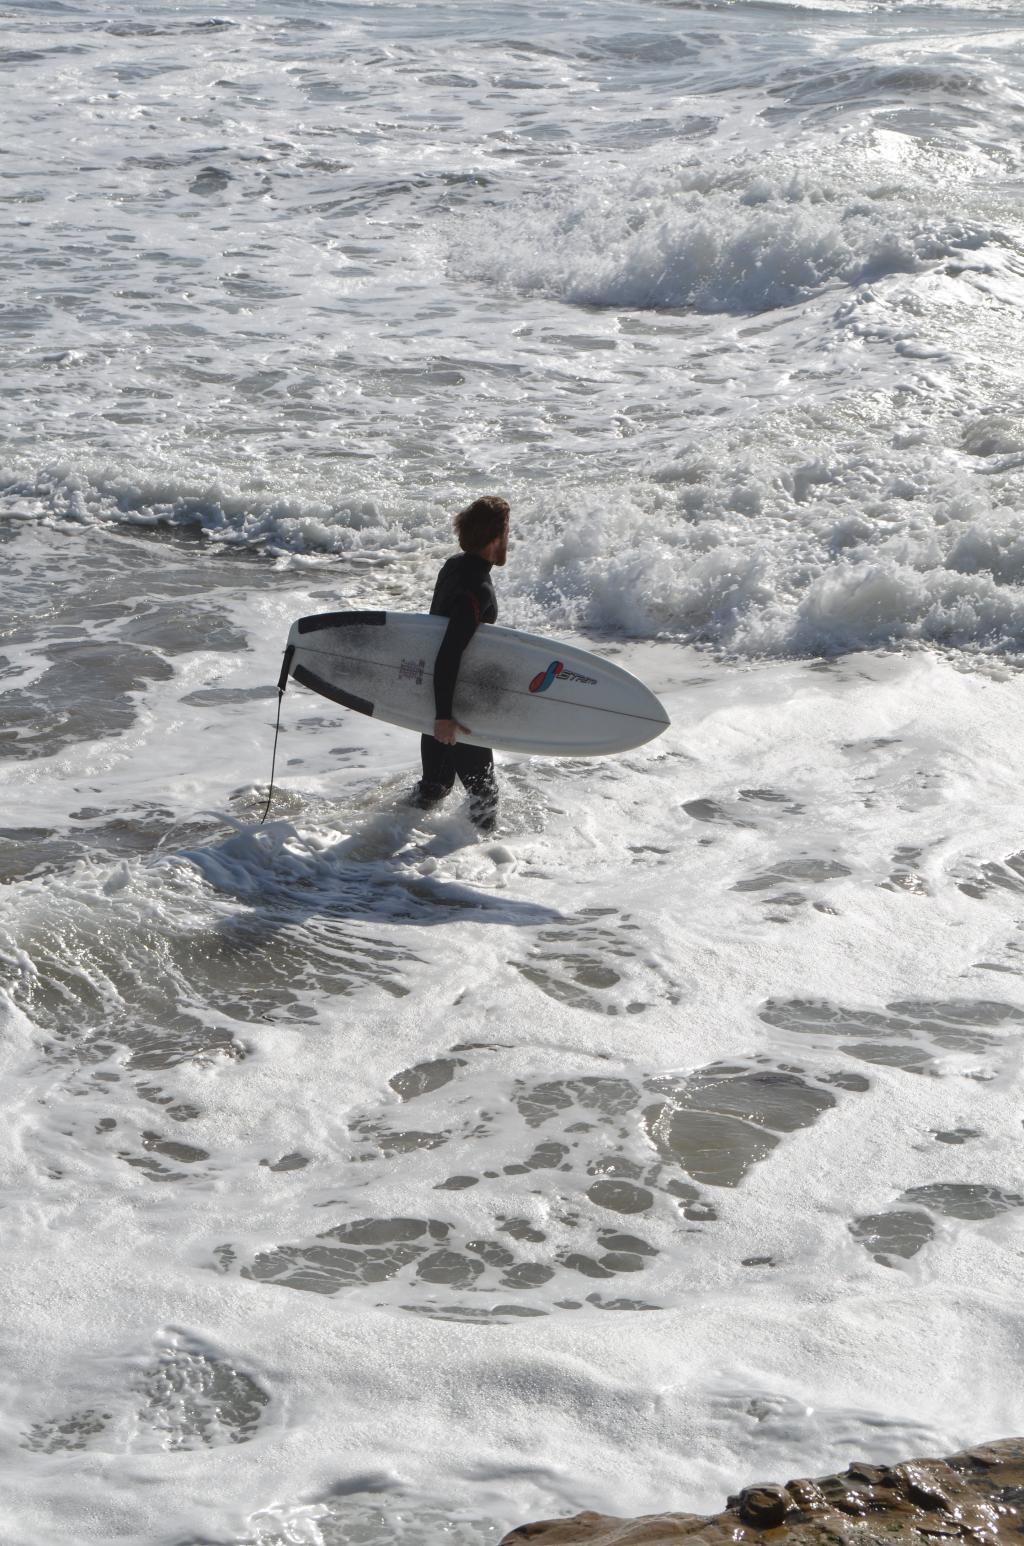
column 721, row 1037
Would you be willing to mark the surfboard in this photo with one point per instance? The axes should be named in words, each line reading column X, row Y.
column 516, row 691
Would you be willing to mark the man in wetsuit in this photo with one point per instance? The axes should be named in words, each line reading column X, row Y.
column 465, row 596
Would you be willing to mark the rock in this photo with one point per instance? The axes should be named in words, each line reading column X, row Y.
column 807, row 1496
column 922, row 1484
column 764, row 1506
column 861, row 1471
column 976, row 1497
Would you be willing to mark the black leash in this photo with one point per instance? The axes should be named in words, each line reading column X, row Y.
column 282, row 683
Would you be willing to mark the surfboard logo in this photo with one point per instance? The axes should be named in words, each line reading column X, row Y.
column 542, row 681
column 557, row 671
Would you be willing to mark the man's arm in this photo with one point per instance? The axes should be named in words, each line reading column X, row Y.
column 463, row 622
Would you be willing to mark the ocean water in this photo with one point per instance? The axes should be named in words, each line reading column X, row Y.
column 366, row 1182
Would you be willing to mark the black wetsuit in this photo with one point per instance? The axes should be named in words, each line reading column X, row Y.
column 465, row 596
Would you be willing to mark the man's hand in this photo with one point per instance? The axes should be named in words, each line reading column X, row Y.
column 447, row 731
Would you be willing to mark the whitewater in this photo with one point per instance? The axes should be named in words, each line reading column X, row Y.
column 368, row 1181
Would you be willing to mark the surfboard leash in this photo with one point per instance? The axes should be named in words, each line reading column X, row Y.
column 282, row 683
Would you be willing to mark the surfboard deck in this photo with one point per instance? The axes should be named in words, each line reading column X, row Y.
column 516, row 691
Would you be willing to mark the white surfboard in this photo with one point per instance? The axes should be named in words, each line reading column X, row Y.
column 515, row 691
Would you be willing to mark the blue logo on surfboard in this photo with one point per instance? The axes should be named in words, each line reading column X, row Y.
column 558, row 672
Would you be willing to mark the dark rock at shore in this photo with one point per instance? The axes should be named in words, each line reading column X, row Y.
column 976, row 1497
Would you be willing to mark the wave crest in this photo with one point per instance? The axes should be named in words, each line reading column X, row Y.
column 736, row 239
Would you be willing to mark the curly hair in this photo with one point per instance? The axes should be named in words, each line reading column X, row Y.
column 480, row 522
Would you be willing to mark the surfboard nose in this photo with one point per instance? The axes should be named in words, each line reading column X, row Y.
column 654, row 710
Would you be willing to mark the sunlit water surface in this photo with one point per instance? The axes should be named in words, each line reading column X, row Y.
column 368, row 1182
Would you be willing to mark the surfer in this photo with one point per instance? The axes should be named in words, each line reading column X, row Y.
column 465, row 596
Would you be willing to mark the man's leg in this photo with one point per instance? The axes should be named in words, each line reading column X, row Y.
column 438, row 773
column 475, row 767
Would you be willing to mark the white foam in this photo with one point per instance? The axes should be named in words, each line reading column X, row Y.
column 752, row 1370
column 726, row 303
column 733, row 239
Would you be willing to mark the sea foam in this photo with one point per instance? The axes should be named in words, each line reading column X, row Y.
column 740, row 237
